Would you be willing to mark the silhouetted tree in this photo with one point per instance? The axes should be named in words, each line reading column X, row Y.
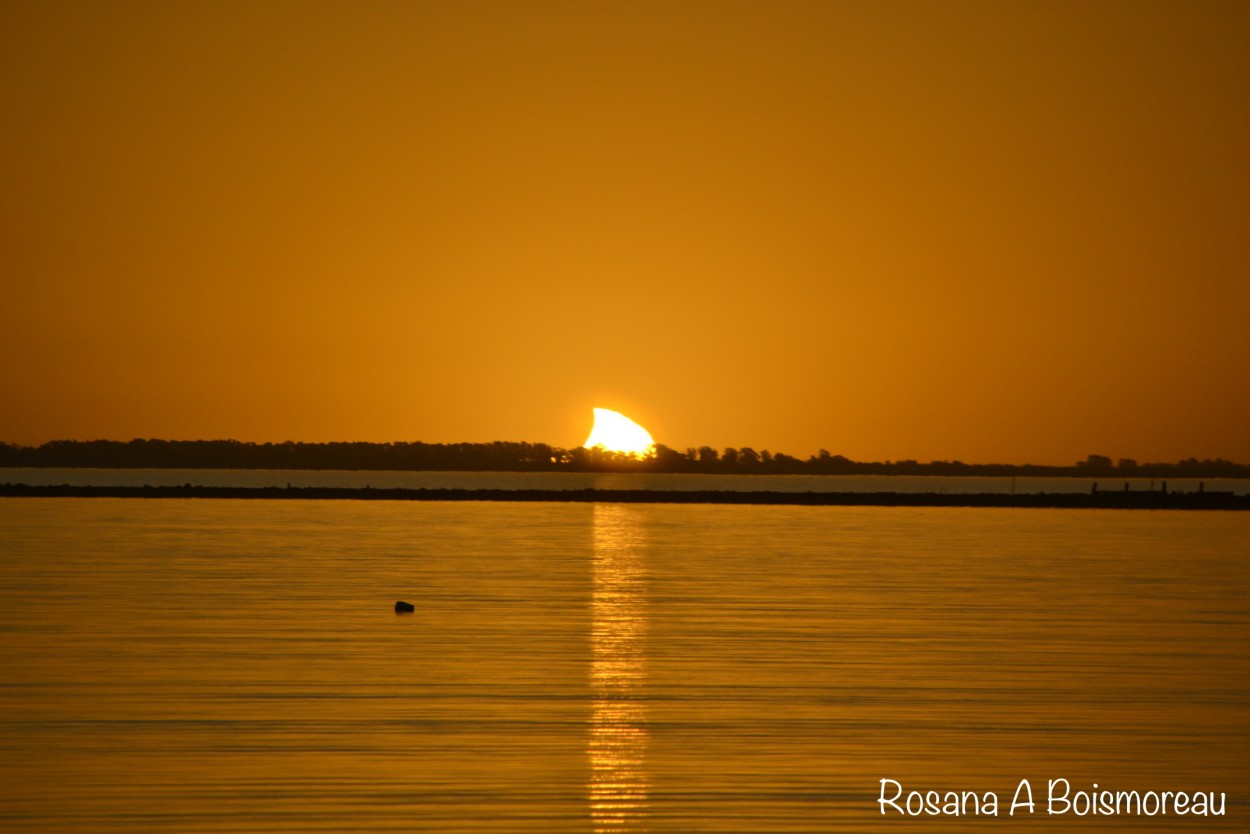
column 1096, row 464
column 668, row 460
column 787, row 464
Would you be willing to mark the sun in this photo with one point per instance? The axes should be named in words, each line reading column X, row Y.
column 614, row 432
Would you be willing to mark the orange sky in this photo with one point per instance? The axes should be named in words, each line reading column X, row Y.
column 1014, row 232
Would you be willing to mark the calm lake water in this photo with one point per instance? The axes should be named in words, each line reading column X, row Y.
column 215, row 665
column 596, row 480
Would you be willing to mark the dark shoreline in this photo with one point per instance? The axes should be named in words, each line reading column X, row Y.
column 507, row 456
column 1094, row 500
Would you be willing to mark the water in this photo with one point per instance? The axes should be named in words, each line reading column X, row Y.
column 219, row 665
column 390, row 479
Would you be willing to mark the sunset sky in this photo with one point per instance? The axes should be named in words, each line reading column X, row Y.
column 1002, row 231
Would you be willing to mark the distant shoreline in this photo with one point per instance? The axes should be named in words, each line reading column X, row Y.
column 506, row 456
column 1127, row 500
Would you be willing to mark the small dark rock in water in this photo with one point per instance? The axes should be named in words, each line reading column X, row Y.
column 402, row 607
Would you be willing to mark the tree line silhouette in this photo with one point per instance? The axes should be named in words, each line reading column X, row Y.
column 501, row 456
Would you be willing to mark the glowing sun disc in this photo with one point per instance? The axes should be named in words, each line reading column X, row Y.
column 617, row 433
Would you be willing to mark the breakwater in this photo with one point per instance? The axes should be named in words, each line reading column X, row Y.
column 1128, row 500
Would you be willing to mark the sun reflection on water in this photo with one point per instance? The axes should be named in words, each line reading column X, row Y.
column 618, row 725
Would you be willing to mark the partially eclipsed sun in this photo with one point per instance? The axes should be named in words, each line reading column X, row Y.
column 615, row 432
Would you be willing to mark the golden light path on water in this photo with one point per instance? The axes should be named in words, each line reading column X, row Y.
column 618, row 727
